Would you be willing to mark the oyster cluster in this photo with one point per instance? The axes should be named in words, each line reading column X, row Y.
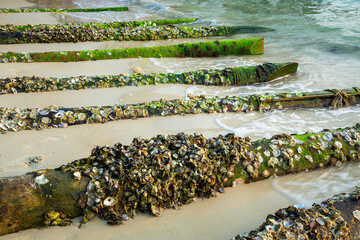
column 167, row 171
column 150, row 175
column 28, row 10
column 111, row 31
column 224, row 77
column 16, row 119
column 321, row 221
column 283, row 154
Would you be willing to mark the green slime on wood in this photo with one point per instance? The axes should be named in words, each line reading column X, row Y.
column 234, row 155
column 30, row 10
column 79, row 33
column 16, row 119
column 251, row 46
column 225, row 77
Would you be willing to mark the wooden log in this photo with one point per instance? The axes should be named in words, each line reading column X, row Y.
column 225, row 77
column 106, row 25
column 225, row 161
column 16, row 119
column 251, row 46
column 81, row 33
column 32, row 10
column 336, row 218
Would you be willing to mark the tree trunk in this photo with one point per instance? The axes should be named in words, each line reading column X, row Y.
column 15, row 119
column 230, row 76
column 31, row 10
column 202, row 49
column 24, row 203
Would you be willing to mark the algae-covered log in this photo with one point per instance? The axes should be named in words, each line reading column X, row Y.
column 79, row 33
column 79, row 26
column 16, row 119
column 336, row 218
column 165, row 171
column 201, row 49
column 31, row 10
column 230, row 76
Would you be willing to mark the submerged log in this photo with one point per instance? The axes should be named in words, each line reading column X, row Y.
column 336, row 218
column 32, row 10
column 80, row 33
column 163, row 172
column 16, row 119
column 225, row 77
column 203, row 49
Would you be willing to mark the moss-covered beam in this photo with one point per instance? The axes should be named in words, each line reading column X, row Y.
column 163, row 172
column 226, row 77
column 31, row 10
column 203, row 49
column 79, row 33
column 16, row 119
column 336, row 218
column 79, row 26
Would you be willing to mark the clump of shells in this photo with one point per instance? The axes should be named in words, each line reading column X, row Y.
column 168, row 171
column 152, row 174
column 223, row 77
column 321, row 221
column 126, row 31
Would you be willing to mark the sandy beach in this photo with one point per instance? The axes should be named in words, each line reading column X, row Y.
column 239, row 210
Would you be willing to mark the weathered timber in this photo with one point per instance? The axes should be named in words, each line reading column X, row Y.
column 225, row 77
column 202, row 49
column 80, row 33
column 212, row 163
column 106, row 25
column 31, row 10
column 336, row 218
column 16, row 119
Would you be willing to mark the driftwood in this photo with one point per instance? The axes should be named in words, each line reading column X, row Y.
column 26, row 200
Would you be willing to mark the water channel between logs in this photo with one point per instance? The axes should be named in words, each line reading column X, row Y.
column 239, row 209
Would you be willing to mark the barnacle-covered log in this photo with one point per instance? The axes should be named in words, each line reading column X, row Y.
column 336, row 218
column 202, row 49
column 79, row 26
column 31, row 10
column 230, row 76
column 82, row 33
column 165, row 171
column 16, row 119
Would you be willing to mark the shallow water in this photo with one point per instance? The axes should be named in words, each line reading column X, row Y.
column 323, row 36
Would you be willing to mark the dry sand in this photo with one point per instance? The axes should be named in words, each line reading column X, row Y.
column 240, row 209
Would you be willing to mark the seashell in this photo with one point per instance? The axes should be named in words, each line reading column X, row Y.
column 110, row 201
column 164, row 113
column 59, row 114
column 356, row 214
column 275, row 142
column 299, row 150
column 276, row 152
column 272, row 146
column 267, row 153
column 265, row 173
column 41, row 179
column 43, row 112
column 45, row 120
column 21, row 123
column 77, row 175
column 238, row 181
column 81, row 116
column 338, row 145
column 297, row 157
column 320, row 221
column 290, row 152
column 327, row 137
column 10, row 125
column 288, row 223
column 103, row 113
column 309, row 158
column 272, row 162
